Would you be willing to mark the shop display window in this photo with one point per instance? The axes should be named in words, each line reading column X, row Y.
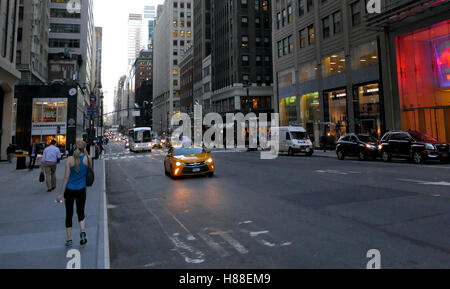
column 423, row 68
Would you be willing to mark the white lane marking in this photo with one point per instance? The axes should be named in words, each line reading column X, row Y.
column 212, row 244
column 233, row 243
column 441, row 183
column 256, row 234
column 182, row 247
column 336, row 172
column 245, row 222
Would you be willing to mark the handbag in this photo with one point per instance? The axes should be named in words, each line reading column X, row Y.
column 41, row 177
column 90, row 175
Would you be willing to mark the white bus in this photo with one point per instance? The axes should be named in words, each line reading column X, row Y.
column 140, row 139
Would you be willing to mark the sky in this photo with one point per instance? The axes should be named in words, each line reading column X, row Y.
column 112, row 15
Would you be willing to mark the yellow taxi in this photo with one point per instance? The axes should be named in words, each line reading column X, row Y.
column 188, row 161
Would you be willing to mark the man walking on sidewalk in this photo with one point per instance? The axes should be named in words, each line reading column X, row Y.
column 48, row 163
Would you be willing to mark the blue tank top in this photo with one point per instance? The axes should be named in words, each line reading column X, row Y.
column 77, row 181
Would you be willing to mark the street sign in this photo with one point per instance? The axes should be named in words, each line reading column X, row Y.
column 92, row 110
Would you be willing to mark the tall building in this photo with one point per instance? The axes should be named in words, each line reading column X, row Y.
column 187, row 82
column 98, row 58
column 135, row 34
column 144, row 88
column 149, row 17
column 173, row 33
column 98, row 76
column 202, row 46
column 9, row 18
column 241, row 56
column 339, row 69
column 121, row 101
column 32, row 41
column 72, row 42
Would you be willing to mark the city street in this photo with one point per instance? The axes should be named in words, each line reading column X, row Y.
column 293, row 212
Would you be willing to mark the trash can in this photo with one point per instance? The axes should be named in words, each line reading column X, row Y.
column 21, row 162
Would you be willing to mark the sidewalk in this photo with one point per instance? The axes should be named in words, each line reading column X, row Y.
column 32, row 230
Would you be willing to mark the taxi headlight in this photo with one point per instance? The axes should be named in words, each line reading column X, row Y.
column 209, row 161
column 177, row 164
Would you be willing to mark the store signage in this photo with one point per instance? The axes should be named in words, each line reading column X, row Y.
column 374, row 6
column 73, row 92
column 71, row 123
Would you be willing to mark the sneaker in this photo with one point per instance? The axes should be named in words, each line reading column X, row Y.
column 83, row 240
column 69, row 243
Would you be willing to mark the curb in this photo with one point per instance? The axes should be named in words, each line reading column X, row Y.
column 105, row 221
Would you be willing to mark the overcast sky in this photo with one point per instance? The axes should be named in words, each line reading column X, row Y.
column 112, row 15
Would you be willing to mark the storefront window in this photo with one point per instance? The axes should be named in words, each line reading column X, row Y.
column 49, row 117
column 310, row 114
column 367, row 108
column 288, row 110
column 423, row 66
column 336, row 114
column 308, row 71
column 285, row 79
column 365, row 55
column 333, row 64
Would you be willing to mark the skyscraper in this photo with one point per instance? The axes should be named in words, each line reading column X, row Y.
column 135, row 35
column 149, row 20
column 32, row 44
column 72, row 36
column 173, row 34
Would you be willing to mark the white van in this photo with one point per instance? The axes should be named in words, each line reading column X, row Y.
column 295, row 139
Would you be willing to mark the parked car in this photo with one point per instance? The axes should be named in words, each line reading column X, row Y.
column 413, row 145
column 357, row 145
column 295, row 139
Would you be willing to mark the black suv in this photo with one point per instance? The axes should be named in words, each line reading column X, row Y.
column 357, row 145
column 413, row 145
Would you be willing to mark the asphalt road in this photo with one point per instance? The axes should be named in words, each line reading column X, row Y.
column 293, row 212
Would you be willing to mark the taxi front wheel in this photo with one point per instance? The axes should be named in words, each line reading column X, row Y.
column 210, row 175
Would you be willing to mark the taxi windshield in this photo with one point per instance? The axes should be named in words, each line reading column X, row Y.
column 188, row 151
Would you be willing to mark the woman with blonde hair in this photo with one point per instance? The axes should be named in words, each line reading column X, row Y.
column 74, row 190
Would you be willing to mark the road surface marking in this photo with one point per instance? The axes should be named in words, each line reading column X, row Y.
column 213, row 245
column 182, row 248
column 441, row 183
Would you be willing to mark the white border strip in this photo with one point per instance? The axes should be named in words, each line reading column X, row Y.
column 105, row 220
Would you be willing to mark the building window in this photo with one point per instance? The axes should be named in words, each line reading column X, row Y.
column 310, row 5
column 301, row 7
column 333, row 64
column 326, row 27
column 367, row 109
column 337, row 22
column 290, row 15
column 311, row 34
column 308, row 71
column 303, row 35
column 244, row 41
column 245, row 60
column 244, row 21
column 356, row 13
column 335, row 104
column 364, row 55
